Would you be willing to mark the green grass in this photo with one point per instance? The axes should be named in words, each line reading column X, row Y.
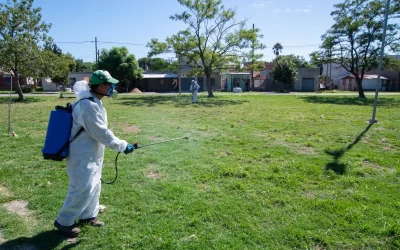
column 258, row 172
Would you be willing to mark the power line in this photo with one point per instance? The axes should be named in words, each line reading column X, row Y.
column 77, row 42
column 138, row 44
column 142, row 44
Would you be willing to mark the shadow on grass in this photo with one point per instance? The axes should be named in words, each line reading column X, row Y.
column 346, row 100
column 45, row 240
column 178, row 101
column 335, row 165
column 27, row 100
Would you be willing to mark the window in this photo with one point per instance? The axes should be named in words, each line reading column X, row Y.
column 72, row 81
column 212, row 80
column 7, row 80
column 236, row 82
column 200, row 81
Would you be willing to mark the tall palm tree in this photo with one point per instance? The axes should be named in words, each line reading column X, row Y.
column 277, row 49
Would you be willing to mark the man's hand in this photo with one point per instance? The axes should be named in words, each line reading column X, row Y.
column 129, row 149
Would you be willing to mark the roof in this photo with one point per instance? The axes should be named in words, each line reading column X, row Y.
column 148, row 76
column 366, row 77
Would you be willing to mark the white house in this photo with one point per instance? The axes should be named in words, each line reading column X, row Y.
column 369, row 83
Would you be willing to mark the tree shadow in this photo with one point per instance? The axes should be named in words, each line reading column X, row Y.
column 44, row 240
column 356, row 101
column 335, row 165
column 177, row 101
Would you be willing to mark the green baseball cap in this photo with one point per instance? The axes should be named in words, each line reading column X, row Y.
column 102, row 76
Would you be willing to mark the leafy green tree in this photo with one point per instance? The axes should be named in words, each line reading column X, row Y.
column 354, row 41
column 210, row 42
column 63, row 65
column 277, row 49
column 55, row 64
column 155, row 64
column 51, row 46
column 285, row 70
column 121, row 65
column 81, row 66
column 391, row 63
column 253, row 58
column 21, row 34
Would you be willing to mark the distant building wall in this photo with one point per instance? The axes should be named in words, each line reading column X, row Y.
column 304, row 76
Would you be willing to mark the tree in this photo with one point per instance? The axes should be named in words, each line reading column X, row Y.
column 285, row 70
column 391, row 63
column 210, row 42
column 81, row 66
column 355, row 39
column 156, row 65
column 55, row 64
column 255, row 64
column 121, row 65
column 21, row 34
column 277, row 49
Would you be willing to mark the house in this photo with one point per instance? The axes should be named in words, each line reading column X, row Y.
column 235, row 79
column 74, row 77
column 6, row 78
column 348, row 83
column 307, row 80
column 165, row 82
column 5, row 82
column 336, row 72
column 392, row 75
column 215, row 81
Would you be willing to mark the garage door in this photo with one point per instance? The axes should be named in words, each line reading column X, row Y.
column 186, row 84
column 307, row 85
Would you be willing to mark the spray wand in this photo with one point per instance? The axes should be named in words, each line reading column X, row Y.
column 137, row 146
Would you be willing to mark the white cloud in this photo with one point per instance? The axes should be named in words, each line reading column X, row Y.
column 258, row 5
column 262, row 4
column 288, row 10
column 302, row 10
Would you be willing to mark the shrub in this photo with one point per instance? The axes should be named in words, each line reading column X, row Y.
column 27, row 88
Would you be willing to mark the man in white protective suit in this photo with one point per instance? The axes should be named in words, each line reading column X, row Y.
column 194, row 88
column 86, row 152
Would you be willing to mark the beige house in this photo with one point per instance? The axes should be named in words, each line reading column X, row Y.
column 307, row 80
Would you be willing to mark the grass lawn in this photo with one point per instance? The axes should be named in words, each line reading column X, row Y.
column 259, row 171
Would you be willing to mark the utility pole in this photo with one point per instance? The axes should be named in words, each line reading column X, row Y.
column 330, row 68
column 179, row 72
column 10, row 130
column 95, row 49
column 252, row 64
column 373, row 120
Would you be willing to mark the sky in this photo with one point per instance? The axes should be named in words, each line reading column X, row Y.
column 296, row 24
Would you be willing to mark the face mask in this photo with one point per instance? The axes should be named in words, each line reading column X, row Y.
column 112, row 92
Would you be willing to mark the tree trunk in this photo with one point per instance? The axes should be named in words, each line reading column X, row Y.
column 252, row 80
column 360, row 88
column 209, row 89
column 18, row 86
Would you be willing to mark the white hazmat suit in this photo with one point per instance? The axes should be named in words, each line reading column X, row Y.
column 194, row 88
column 85, row 159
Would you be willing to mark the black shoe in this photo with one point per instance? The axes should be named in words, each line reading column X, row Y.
column 69, row 231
